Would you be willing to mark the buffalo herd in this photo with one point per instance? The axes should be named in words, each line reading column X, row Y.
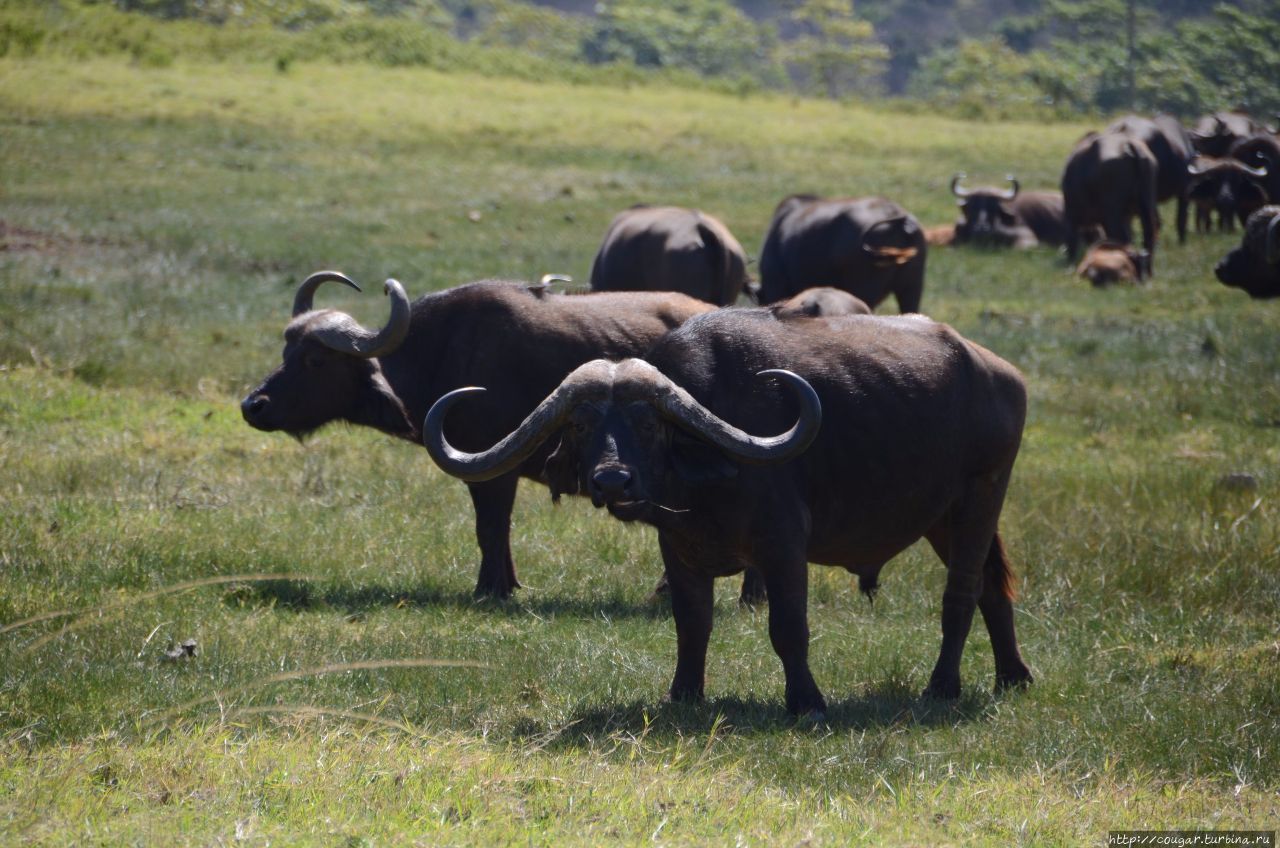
column 799, row 429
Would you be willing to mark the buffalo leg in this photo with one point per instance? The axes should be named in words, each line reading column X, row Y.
column 493, row 501
column 963, row 539
column 1182, row 218
column 692, row 600
column 787, row 582
column 911, row 285
column 996, row 605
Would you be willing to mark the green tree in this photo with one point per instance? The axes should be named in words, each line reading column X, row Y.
column 836, row 50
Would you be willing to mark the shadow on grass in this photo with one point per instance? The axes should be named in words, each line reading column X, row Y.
column 882, row 706
column 298, row 596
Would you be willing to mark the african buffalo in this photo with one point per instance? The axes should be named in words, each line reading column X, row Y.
column 1109, row 262
column 1255, row 265
column 1215, row 134
column 869, row 246
column 1008, row 217
column 1109, row 178
column 820, row 302
column 902, row 430
column 522, row 343
column 1226, row 186
column 667, row 248
column 1262, row 151
column 1171, row 146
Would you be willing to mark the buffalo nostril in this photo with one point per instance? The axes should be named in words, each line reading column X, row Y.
column 252, row 405
column 612, row 481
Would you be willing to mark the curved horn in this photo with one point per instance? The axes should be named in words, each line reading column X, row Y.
column 1198, row 166
column 307, row 291
column 1273, row 241
column 1254, row 172
column 955, row 186
column 678, row 405
column 343, row 334
column 866, row 248
column 1013, row 188
column 517, row 446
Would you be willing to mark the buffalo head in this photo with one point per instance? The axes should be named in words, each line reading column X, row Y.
column 1228, row 186
column 1255, row 265
column 1109, row 262
column 985, row 215
column 629, row 437
column 330, row 369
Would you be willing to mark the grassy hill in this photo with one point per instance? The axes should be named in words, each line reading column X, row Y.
column 156, row 221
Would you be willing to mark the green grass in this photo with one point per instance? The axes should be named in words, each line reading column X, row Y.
column 164, row 216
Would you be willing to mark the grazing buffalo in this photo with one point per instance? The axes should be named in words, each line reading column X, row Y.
column 820, row 302
column 1262, row 151
column 1171, row 146
column 502, row 335
column 1255, row 265
column 902, row 430
column 1008, row 217
column 1215, row 134
column 667, row 248
column 868, row 246
column 1109, row 262
column 1226, row 186
column 1109, row 178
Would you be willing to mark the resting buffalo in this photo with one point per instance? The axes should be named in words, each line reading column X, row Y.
column 496, row 334
column 1226, row 186
column 1109, row 178
column 1171, row 146
column 902, row 430
column 820, row 302
column 869, row 247
column 1215, row 134
column 1108, row 262
column 1255, row 265
column 667, row 248
column 1008, row 217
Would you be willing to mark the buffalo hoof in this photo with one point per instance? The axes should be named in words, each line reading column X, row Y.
column 685, row 696
column 493, row 591
column 942, row 689
column 813, row 718
column 1013, row 680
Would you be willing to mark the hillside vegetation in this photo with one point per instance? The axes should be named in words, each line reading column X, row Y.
column 155, row 219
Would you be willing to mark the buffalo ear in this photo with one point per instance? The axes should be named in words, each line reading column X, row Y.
column 560, row 472
column 698, row 463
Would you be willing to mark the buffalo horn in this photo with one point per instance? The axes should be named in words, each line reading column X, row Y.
column 307, row 291
column 955, row 186
column 679, row 406
column 1012, row 192
column 1273, row 241
column 1197, row 166
column 344, row 335
column 1254, row 172
column 519, row 445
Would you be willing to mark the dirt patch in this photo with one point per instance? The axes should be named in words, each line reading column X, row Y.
column 14, row 238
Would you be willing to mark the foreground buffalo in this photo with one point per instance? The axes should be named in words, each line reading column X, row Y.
column 1255, row 265
column 1008, row 217
column 1170, row 144
column 869, row 247
column 502, row 335
column 667, row 248
column 1109, row 178
column 902, row 430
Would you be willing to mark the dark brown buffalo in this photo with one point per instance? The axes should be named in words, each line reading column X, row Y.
column 1108, row 262
column 668, row 248
column 1170, row 144
column 820, row 302
column 902, row 430
column 1255, row 265
column 495, row 334
column 1109, row 178
column 1262, row 151
column 1008, row 217
column 1215, row 134
column 1226, row 186
column 869, row 246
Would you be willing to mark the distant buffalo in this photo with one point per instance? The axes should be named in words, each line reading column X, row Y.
column 1108, row 179
column 1214, row 135
column 1226, row 186
column 1109, row 262
column 1170, row 144
column 820, row 302
column 868, row 246
column 668, row 248
column 1254, row 266
column 1261, row 151
column 520, row 342
column 1008, row 217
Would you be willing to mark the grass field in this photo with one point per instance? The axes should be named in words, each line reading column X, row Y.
column 348, row 691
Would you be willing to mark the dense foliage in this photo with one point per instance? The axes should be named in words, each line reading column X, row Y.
column 975, row 57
